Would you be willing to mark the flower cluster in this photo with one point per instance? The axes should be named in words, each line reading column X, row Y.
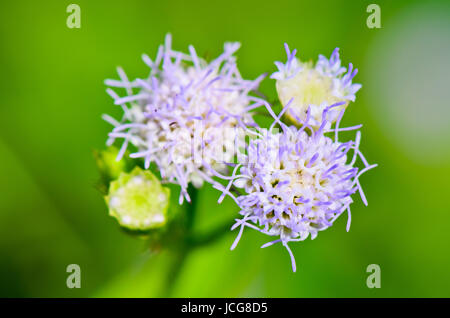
column 290, row 181
column 317, row 86
column 184, row 114
column 297, row 180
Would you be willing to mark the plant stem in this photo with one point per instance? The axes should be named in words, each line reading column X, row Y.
column 191, row 208
column 181, row 252
column 174, row 271
column 191, row 241
column 195, row 241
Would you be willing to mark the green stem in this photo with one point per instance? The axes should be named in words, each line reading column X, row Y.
column 191, row 208
column 174, row 271
column 181, row 252
column 191, row 241
column 199, row 240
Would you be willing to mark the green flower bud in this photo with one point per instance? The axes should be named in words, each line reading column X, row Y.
column 109, row 167
column 138, row 200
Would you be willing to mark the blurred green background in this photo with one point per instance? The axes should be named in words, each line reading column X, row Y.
column 52, row 97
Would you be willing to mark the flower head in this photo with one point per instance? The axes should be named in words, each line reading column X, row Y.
column 316, row 86
column 184, row 113
column 296, row 181
column 138, row 200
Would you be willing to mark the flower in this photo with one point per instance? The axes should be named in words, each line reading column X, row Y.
column 296, row 181
column 138, row 200
column 316, row 86
column 184, row 113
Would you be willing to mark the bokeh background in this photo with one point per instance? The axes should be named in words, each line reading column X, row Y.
column 52, row 97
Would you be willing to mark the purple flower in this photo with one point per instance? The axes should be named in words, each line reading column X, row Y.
column 183, row 110
column 314, row 86
column 296, row 181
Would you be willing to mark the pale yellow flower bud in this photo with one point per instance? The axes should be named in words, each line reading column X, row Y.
column 138, row 200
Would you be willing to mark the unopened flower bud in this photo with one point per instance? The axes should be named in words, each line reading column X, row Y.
column 309, row 88
column 109, row 167
column 138, row 200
